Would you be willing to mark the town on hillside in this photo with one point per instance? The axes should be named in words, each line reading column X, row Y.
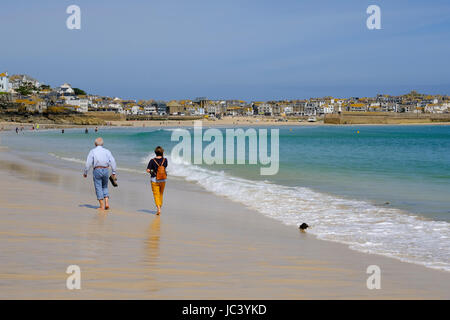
column 22, row 93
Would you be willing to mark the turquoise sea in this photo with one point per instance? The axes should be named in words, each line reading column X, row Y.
column 378, row 189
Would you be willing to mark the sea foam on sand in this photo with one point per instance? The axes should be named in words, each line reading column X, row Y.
column 361, row 225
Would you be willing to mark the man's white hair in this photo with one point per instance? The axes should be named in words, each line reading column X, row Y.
column 99, row 141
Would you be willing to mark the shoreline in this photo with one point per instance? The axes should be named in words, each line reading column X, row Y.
column 195, row 250
column 10, row 126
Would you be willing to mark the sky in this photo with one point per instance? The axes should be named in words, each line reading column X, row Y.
column 246, row 49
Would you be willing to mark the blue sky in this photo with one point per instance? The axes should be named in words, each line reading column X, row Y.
column 249, row 49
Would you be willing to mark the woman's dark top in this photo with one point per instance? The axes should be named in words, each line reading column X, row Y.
column 154, row 167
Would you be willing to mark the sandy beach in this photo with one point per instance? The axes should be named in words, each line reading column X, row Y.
column 202, row 247
column 225, row 122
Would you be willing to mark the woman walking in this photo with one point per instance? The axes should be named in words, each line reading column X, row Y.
column 157, row 169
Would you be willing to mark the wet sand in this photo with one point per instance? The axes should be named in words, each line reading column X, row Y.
column 202, row 247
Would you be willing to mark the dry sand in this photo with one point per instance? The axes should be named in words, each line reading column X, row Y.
column 202, row 247
column 260, row 121
column 224, row 122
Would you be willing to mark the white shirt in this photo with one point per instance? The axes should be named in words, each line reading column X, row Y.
column 100, row 157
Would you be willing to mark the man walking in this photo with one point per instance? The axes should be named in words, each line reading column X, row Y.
column 101, row 159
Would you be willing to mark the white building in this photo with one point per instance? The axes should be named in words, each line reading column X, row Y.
column 18, row 80
column 4, row 82
column 216, row 108
column 150, row 109
column 135, row 110
column 83, row 104
column 288, row 110
column 328, row 108
column 436, row 108
column 196, row 111
column 265, row 109
column 116, row 107
column 66, row 89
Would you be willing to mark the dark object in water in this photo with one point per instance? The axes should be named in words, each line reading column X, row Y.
column 113, row 181
column 303, row 226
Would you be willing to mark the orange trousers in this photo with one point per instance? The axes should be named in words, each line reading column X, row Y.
column 158, row 190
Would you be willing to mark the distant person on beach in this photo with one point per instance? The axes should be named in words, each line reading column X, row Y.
column 96, row 129
column 17, row 130
column 62, row 131
column 86, row 131
column 101, row 159
column 157, row 169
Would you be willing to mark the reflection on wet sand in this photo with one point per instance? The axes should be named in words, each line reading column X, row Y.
column 46, row 174
column 153, row 242
column 31, row 173
column 94, row 241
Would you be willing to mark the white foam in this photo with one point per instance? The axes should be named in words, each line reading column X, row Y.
column 361, row 225
column 66, row 158
column 83, row 162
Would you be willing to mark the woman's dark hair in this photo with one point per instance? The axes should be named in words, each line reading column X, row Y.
column 159, row 151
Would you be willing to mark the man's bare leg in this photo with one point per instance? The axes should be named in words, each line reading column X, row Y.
column 106, row 203
column 159, row 210
column 102, row 206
